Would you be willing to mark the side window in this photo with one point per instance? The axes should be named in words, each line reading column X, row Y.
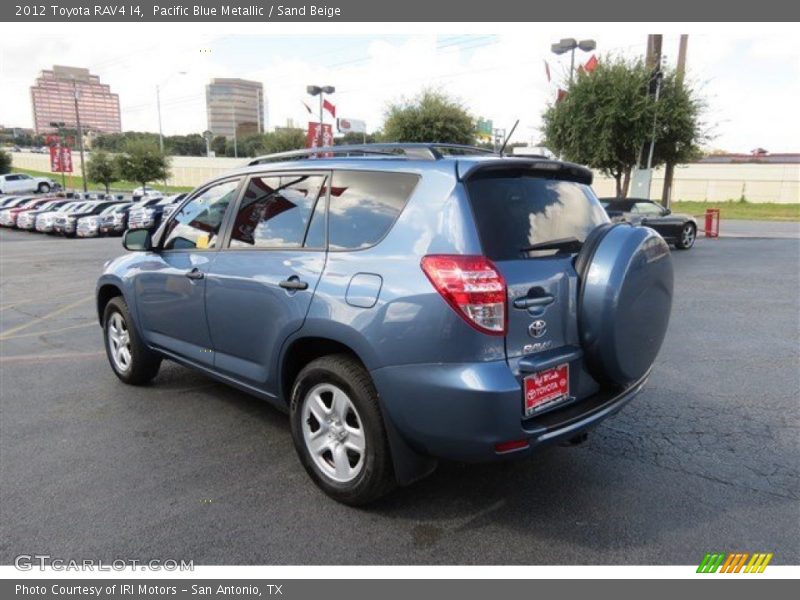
column 196, row 225
column 646, row 208
column 364, row 206
column 281, row 211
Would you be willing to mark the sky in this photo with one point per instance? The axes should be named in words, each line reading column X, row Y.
column 750, row 79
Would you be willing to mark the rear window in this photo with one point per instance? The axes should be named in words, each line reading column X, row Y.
column 513, row 212
column 364, row 205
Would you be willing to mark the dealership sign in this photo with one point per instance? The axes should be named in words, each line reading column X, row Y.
column 60, row 159
column 351, row 126
column 312, row 136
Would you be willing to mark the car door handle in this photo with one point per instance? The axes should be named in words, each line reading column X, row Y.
column 195, row 274
column 293, row 283
column 533, row 302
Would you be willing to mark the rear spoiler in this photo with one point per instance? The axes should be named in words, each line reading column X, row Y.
column 544, row 168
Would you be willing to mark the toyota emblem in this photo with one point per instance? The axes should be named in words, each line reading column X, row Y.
column 538, row 328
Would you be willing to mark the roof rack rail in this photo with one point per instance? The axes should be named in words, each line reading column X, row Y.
column 416, row 151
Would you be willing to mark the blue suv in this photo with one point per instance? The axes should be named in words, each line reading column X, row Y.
column 404, row 303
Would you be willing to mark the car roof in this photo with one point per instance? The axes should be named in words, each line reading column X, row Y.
column 461, row 167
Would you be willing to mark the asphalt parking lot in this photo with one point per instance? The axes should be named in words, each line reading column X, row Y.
column 705, row 459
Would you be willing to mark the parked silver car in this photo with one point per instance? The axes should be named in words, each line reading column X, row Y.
column 45, row 222
column 27, row 219
column 89, row 226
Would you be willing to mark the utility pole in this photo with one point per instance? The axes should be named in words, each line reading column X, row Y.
column 654, row 41
column 680, row 72
column 80, row 133
column 235, row 143
column 321, row 136
column 160, row 132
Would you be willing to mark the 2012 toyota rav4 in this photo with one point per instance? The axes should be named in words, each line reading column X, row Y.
column 404, row 303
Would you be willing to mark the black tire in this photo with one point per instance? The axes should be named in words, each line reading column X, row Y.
column 43, row 188
column 376, row 475
column 144, row 363
column 687, row 237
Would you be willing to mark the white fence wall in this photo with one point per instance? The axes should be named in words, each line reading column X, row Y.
column 699, row 181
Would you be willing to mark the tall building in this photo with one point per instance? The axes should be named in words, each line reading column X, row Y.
column 53, row 99
column 235, row 105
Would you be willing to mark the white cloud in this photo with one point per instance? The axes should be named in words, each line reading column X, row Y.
column 499, row 76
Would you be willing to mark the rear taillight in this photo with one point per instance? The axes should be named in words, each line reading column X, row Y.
column 473, row 286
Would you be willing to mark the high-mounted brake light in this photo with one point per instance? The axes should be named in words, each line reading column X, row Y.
column 473, row 286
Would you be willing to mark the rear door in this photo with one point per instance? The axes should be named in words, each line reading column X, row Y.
column 515, row 209
column 261, row 284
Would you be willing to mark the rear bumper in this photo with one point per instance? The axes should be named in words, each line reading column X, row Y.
column 461, row 411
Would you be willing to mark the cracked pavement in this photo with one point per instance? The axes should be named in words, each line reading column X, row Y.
column 705, row 459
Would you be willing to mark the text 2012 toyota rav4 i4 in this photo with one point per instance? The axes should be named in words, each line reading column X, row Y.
column 404, row 303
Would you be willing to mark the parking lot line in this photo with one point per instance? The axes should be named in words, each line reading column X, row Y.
column 32, row 300
column 49, row 315
column 49, row 332
column 48, row 357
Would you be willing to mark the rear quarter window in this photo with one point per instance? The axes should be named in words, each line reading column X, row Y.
column 364, row 205
column 513, row 211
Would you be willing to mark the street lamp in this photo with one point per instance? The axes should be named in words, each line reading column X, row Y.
column 208, row 135
column 80, row 132
column 158, row 104
column 320, row 91
column 569, row 45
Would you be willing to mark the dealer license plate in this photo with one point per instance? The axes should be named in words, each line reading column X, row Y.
column 545, row 388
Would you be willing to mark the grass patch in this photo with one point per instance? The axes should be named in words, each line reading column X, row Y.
column 76, row 183
column 737, row 209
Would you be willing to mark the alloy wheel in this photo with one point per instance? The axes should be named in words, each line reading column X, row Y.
column 687, row 237
column 333, row 433
column 119, row 342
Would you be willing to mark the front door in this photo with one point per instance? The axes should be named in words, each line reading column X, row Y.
column 260, row 285
column 170, row 288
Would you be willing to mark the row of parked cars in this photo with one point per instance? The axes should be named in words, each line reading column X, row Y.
column 85, row 215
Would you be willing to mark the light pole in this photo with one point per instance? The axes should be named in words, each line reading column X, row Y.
column 569, row 45
column 316, row 90
column 657, row 76
column 207, row 135
column 80, row 133
column 158, row 105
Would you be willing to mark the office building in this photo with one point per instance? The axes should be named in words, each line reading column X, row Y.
column 53, row 101
column 235, row 105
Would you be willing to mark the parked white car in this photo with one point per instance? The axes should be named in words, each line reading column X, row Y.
column 22, row 183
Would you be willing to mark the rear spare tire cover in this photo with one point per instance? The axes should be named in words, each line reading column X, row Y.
column 625, row 301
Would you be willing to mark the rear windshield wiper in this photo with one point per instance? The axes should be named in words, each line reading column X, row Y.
column 569, row 244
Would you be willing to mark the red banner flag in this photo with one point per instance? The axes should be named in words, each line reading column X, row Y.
column 312, row 135
column 591, row 64
column 60, row 159
column 329, row 107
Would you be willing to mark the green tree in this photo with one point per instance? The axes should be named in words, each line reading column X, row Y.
column 284, row 140
column 356, row 139
column 430, row 117
column 100, row 169
column 218, row 145
column 142, row 162
column 680, row 130
column 607, row 116
column 5, row 162
column 185, row 145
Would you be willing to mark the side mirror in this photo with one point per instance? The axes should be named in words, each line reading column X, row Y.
column 667, row 211
column 137, row 240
